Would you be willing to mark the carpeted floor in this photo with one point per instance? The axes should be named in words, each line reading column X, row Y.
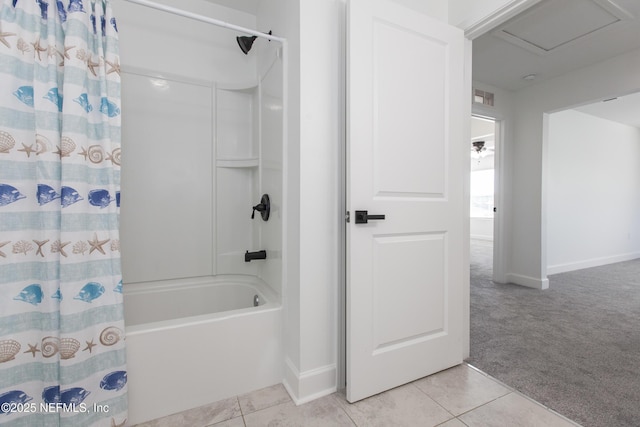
column 574, row 347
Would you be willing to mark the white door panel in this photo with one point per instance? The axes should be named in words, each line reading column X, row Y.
column 397, row 260
column 405, row 160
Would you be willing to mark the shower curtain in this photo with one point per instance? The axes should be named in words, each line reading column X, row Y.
column 62, row 355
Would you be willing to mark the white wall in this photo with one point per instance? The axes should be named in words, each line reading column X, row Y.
column 526, row 178
column 311, row 302
column 438, row 9
column 166, row 43
column 593, row 192
column 481, row 228
column 283, row 18
column 320, row 141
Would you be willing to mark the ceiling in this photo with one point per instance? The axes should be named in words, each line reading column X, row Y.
column 555, row 37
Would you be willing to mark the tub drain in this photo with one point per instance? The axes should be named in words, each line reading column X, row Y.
column 256, row 300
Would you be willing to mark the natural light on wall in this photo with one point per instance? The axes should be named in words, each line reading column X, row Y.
column 482, row 158
column 482, row 193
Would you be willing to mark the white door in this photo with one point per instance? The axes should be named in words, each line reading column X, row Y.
column 405, row 160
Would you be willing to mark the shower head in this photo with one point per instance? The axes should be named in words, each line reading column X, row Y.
column 245, row 42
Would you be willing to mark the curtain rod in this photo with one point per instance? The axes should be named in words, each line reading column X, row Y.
column 206, row 19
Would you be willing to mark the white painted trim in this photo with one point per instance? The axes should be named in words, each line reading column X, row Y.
column 499, row 201
column 499, row 198
column 588, row 263
column 290, row 380
column 466, row 227
column 529, row 282
column 481, row 237
column 544, row 236
column 342, row 226
column 306, row 386
column 498, row 17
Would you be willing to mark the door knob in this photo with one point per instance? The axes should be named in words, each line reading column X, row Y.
column 363, row 217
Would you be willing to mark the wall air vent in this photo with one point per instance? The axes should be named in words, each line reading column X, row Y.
column 553, row 24
column 483, row 97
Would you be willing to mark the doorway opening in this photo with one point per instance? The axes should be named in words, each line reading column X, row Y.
column 484, row 197
column 482, row 184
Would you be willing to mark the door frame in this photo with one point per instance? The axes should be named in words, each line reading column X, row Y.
column 499, row 253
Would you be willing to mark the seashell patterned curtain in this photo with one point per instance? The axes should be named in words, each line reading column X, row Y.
column 62, row 354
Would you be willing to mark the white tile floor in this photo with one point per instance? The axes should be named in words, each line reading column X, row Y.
column 458, row 397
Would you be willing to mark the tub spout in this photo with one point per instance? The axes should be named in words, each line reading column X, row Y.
column 250, row 256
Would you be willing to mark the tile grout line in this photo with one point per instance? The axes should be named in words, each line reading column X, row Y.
column 348, row 416
column 472, row 409
column 434, row 401
column 338, row 401
column 515, row 391
column 244, row 422
column 485, row 403
column 455, row 418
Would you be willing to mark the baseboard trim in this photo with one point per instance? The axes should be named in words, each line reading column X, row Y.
column 529, row 282
column 594, row 262
column 309, row 385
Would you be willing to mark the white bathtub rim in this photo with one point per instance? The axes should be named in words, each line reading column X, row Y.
column 271, row 299
column 185, row 322
column 196, row 282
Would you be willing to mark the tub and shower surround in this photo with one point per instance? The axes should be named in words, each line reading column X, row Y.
column 197, row 307
column 207, row 123
column 209, row 143
column 188, row 209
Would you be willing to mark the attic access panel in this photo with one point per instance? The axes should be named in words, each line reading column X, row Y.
column 556, row 23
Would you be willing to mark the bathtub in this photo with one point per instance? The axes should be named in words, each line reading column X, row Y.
column 196, row 341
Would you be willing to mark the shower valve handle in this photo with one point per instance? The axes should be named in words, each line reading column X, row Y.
column 259, row 207
column 264, row 207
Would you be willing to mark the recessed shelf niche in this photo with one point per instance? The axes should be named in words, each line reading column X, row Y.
column 237, row 178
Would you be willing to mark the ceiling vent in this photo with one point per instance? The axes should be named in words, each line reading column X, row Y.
column 553, row 24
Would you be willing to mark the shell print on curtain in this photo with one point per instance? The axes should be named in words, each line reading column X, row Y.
column 62, row 354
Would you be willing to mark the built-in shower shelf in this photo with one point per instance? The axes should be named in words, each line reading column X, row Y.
column 237, row 163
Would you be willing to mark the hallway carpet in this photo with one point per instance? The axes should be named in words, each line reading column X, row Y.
column 574, row 347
